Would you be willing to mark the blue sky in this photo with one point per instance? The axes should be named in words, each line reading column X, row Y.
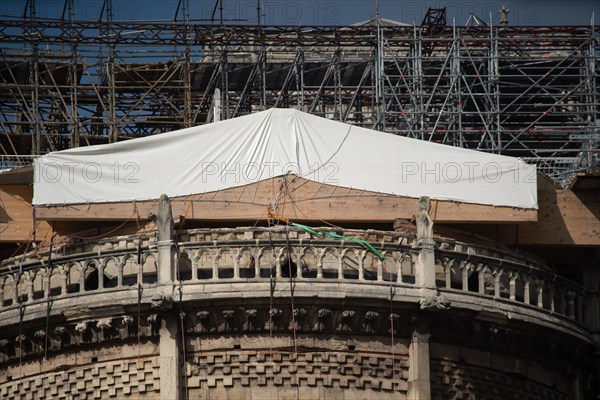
column 328, row 12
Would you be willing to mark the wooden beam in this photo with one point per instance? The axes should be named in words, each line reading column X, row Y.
column 586, row 181
column 564, row 218
column 301, row 200
column 16, row 215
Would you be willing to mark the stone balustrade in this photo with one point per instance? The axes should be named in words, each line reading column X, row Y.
column 504, row 277
column 254, row 255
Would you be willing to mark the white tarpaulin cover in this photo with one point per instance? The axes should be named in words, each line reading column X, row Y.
column 267, row 144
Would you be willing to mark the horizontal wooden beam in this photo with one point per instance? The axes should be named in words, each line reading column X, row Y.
column 295, row 199
column 564, row 218
column 16, row 215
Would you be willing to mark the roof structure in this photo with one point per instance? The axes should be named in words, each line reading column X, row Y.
column 277, row 142
column 381, row 22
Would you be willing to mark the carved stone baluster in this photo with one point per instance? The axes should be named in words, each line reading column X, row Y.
column 448, row 272
column 320, row 267
column 2, row 283
column 81, row 278
column 15, row 288
column 526, row 291
column 256, row 264
column 236, row 264
column 513, row 286
column 215, row 267
column 64, row 270
column 579, row 307
column 140, row 269
column 278, row 267
column 29, row 286
column 100, row 275
column 120, row 273
column 379, row 270
column 361, row 269
column 46, row 282
column 194, row 262
column 481, row 278
column 571, row 304
column 550, row 293
column 465, row 275
column 540, row 293
column 560, row 300
column 341, row 265
column 398, row 260
column 497, row 276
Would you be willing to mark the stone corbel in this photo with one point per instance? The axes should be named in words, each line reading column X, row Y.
column 435, row 303
column 371, row 318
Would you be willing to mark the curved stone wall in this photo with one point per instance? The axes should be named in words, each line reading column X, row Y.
column 278, row 313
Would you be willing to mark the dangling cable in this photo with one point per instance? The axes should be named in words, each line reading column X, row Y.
column 21, row 311
column 392, row 334
column 294, row 339
column 272, row 282
column 392, row 317
column 139, row 294
column 48, row 301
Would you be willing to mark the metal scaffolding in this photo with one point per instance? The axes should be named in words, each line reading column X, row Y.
column 530, row 92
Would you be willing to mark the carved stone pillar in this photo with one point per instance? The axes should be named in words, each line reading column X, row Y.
column 419, row 381
column 425, row 258
column 170, row 360
column 169, row 339
column 164, row 223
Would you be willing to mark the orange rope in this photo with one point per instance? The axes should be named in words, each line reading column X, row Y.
column 185, row 215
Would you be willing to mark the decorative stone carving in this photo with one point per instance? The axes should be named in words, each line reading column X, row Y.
column 434, row 303
column 127, row 327
column 163, row 219
column 204, row 323
column 60, row 330
column 323, row 315
column 7, row 348
column 275, row 319
column 104, row 324
column 227, row 324
column 161, row 302
column 298, row 319
column 81, row 327
column 345, row 324
column 424, row 223
column 370, row 320
column 250, row 325
column 394, row 318
column 106, row 327
column 154, row 321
